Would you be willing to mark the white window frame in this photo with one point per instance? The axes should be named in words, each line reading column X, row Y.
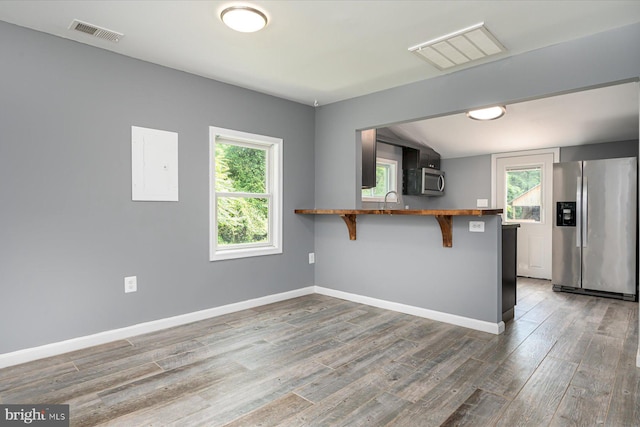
column 274, row 191
column 393, row 198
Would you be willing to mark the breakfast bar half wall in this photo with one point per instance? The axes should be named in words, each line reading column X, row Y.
column 398, row 260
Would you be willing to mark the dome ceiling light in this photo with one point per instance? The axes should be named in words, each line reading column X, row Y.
column 244, row 19
column 490, row 113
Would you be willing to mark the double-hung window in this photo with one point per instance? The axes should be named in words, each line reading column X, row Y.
column 246, row 194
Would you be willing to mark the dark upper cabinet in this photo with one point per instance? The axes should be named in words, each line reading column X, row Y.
column 410, row 158
column 368, row 138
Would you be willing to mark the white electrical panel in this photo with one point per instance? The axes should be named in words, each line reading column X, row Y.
column 154, row 165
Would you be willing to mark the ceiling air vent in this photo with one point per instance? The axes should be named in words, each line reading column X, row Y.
column 459, row 48
column 95, row 31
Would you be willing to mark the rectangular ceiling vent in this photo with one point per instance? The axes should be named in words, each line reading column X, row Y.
column 95, row 31
column 459, row 48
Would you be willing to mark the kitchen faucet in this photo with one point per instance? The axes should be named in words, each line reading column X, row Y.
column 385, row 198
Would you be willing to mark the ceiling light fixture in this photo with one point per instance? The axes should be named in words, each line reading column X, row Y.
column 244, row 19
column 490, row 113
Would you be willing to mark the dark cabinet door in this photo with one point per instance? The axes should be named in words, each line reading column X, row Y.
column 509, row 264
column 368, row 138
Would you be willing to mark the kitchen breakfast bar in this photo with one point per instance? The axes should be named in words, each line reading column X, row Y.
column 398, row 262
column 443, row 216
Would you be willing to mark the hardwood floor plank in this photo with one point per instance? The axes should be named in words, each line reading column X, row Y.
column 500, row 347
column 512, row 374
column 50, row 365
column 365, row 344
column 160, row 415
column 273, row 413
column 155, row 390
column 431, row 374
column 480, row 409
column 378, row 411
column 73, row 386
column 439, row 403
column 233, row 400
column 536, row 404
column 338, row 405
column 616, row 320
column 566, row 359
column 32, row 379
column 347, row 374
column 572, row 345
column 587, row 400
column 625, row 403
column 247, row 334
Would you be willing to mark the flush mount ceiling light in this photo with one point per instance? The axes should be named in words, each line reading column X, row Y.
column 490, row 113
column 244, row 19
column 460, row 47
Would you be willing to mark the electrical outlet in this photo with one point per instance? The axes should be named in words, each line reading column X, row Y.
column 130, row 284
column 476, row 226
column 312, row 258
column 482, row 203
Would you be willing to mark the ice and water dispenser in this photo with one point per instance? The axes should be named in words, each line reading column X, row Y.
column 566, row 214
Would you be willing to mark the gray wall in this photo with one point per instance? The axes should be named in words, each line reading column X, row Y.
column 70, row 232
column 467, row 179
column 574, row 65
column 401, row 259
column 564, row 67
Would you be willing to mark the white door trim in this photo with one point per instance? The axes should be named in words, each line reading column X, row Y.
column 494, row 162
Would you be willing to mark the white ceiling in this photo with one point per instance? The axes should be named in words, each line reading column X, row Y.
column 598, row 115
column 334, row 50
column 315, row 50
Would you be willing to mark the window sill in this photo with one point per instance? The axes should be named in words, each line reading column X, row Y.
column 221, row 254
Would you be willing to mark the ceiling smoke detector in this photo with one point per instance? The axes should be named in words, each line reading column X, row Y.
column 459, row 48
column 96, row 31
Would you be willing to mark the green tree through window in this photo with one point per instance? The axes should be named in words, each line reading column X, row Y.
column 241, row 181
column 524, row 194
column 385, row 181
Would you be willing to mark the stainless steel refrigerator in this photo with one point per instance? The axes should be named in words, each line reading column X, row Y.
column 594, row 227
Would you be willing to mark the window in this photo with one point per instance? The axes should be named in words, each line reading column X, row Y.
column 246, row 194
column 524, row 194
column 386, row 180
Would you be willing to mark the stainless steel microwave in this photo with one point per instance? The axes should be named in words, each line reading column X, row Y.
column 423, row 182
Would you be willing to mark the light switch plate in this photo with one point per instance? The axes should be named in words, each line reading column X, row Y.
column 312, row 258
column 482, row 203
column 476, row 226
column 130, row 284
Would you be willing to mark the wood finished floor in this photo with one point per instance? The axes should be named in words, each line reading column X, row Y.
column 319, row 361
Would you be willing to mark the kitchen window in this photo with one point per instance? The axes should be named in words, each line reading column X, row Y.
column 245, row 194
column 386, row 180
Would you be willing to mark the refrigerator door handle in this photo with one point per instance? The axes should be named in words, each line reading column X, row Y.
column 583, row 210
column 578, row 212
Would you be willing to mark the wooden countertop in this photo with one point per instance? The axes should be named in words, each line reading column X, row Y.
column 417, row 212
column 443, row 216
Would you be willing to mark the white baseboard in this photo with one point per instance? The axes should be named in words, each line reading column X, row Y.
column 480, row 325
column 53, row 349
